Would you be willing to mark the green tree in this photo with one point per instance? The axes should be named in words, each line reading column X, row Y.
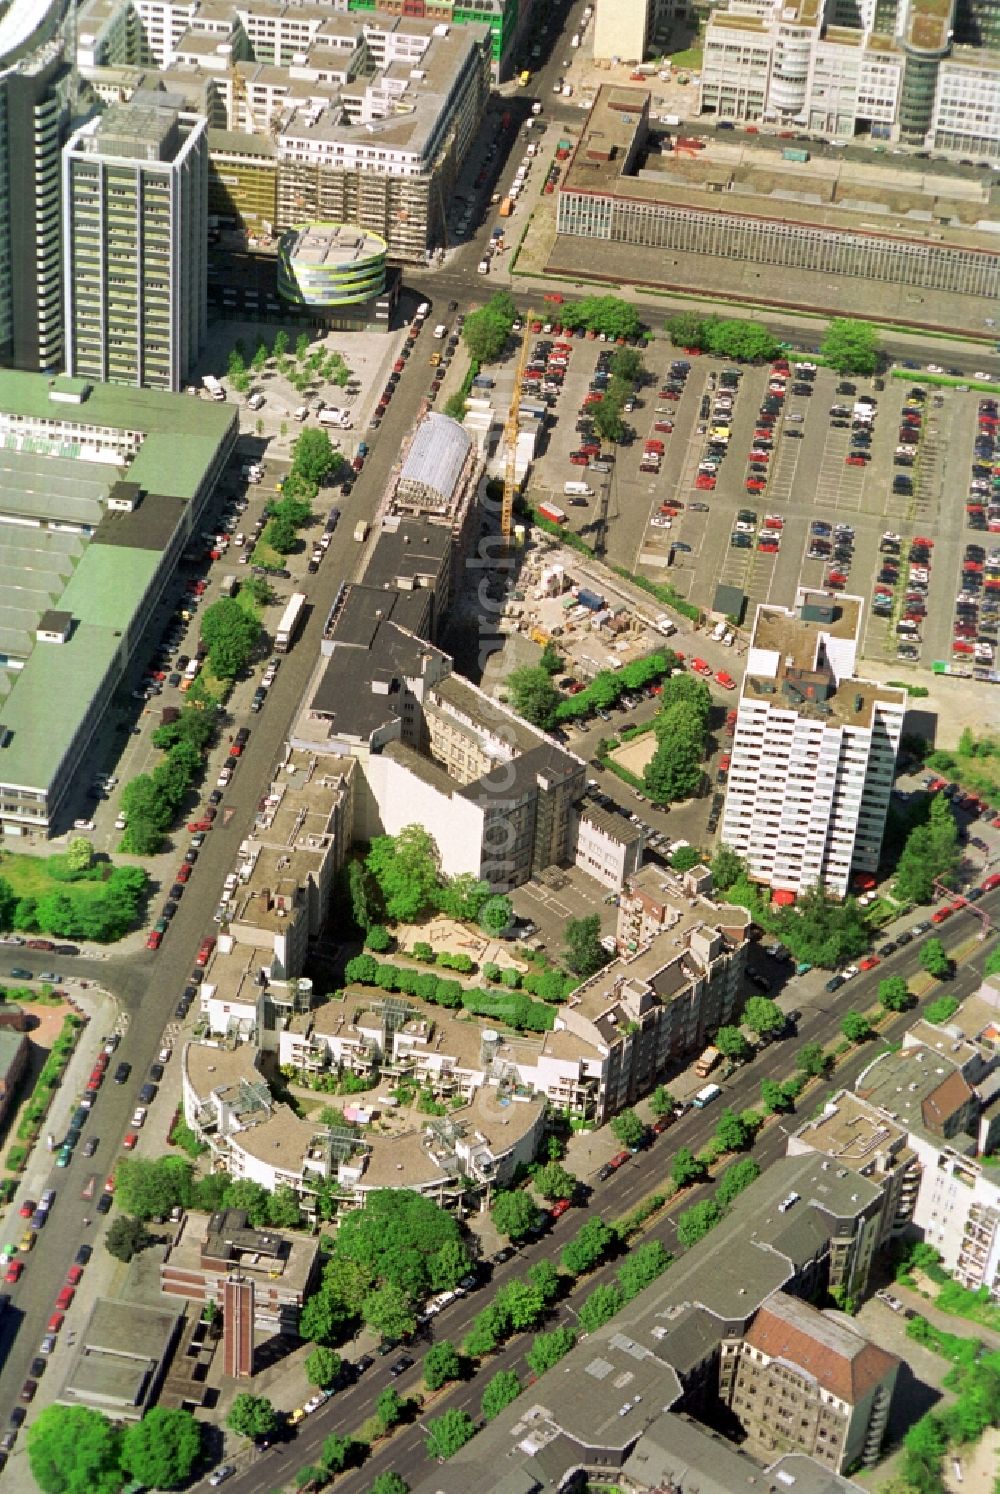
column 378, row 939
column 737, row 1176
column 584, row 952
column 73, row 1450
column 641, row 1267
column 499, row 1392
column 455, row 405
column 448, row 1432
column 313, row 455
column 441, row 1363
column 941, row 1010
column 251, row 1416
column 661, row 1102
column 126, row 1237
column 389, row 1311
column 935, row 960
column 463, row 896
column 856, row 1027
column 79, row 854
column 337, row 1453
column 230, row 634
column 588, row 1246
column 602, row 1305
column 731, row 1043
column 488, row 1329
column 520, row 1305
column 628, row 1128
column 685, row 858
column 627, row 364
column 544, row 1279
column 389, row 1408
column 552, row 1181
column 148, row 1188
column 495, row 915
column 850, row 346
column 487, row 330
column 514, row 1214
column 730, row 1132
column 322, row 1366
column 389, row 1483
column 696, row 1221
column 551, row 660
column 533, row 695
column 931, row 853
column 821, row 931
column 772, row 1096
column 762, row 1015
column 813, row 1059
column 607, row 418
column 406, row 868
column 548, row 1348
column 686, row 329
column 163, row 1448
column 894, row 993
column 686, row 1168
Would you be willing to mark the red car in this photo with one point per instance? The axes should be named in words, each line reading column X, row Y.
column 130, row 1141
column 559, row 1208
column 941, row 914
column 182, row 873
column 205, row 952
column 704, row 484
column 651, row 445
column 553, row 296
column 730, row 722
column 725, row 680
column 13, row 1272
column 55, row 1322
column 724, row 762
column 619, row 1160
column 857, row 460
column 990, row 882
column 769, row 547
column 199, row 825
column 109, row 1183
column 755, row 485
column 65, row 1299
column 869, row 962
column 154, row 939
column 700, row 667
column 27, row 1208
column 74, row 1275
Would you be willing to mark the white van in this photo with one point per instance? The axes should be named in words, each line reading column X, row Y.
column 580, row 488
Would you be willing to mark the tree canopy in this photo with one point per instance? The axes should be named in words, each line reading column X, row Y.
column 850, row 346
column 73, row 1450
column 441, row 1364
column 727, row 337
column 764, row 1015
column 533, row 695
column 401, row 1238
column 163, row 1448
column 313, row 455
column 584, row 952
column 499, row 1392
column 406, row 868
column 931, row 852
column 934, row 959
column 552, row 1181
column 448, row 1432
column 514, row 1214
column 230, row 634
column 487, row 330
column 251, row 1415
column 628, row 1128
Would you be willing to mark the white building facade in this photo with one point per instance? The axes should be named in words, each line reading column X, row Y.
column 813, row 752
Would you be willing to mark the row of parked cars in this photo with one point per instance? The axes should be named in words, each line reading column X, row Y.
column 717, row 429
column 982, row 505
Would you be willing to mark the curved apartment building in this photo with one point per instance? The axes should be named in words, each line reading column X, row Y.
column 331, row 264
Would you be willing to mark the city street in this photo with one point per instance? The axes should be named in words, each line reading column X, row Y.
column 638, row 1178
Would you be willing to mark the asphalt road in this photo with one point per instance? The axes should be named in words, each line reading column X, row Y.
column 639, row 1177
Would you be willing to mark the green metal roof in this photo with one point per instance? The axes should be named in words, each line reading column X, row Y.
column 50, row 697
column 181, row 432
column 107, row 586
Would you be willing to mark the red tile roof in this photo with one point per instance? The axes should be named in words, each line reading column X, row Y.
column 837, row 1357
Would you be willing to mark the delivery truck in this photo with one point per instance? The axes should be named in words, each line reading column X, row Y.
column 706, row 1096
column 579, row 488
column 707, row 1061
column 291, row 621
column 552, row 513
column 213, row 388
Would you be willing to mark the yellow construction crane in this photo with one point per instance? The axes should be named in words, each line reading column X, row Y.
column 510, row 435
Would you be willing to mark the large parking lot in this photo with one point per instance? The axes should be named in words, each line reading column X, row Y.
column 837, row 465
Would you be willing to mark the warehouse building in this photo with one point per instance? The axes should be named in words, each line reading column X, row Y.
column 933, row 235
column 102, row 487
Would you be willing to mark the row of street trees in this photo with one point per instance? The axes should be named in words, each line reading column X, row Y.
column 849, row 345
